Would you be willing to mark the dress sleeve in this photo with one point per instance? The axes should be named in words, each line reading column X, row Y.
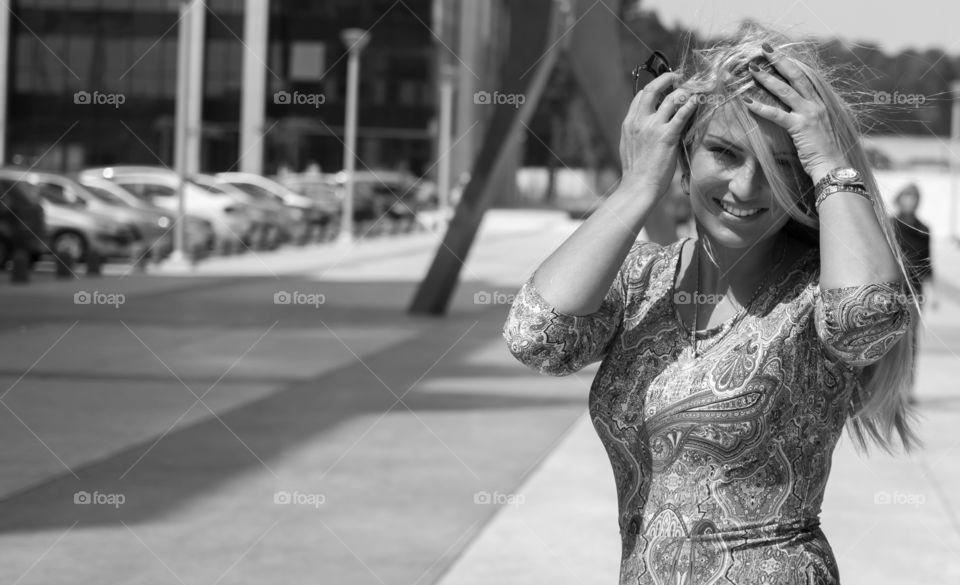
column 859, row 324
column 557, row 343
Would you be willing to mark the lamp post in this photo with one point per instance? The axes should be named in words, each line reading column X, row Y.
column 448, row 75
column 355, row 39
column 188, row 120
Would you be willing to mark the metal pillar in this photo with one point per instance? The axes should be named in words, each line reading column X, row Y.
column 253, row 90
column 4, row 76
column 355, row 39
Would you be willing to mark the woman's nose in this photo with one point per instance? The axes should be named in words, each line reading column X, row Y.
column 748, row 181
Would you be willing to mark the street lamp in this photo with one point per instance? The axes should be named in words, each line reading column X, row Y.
column 448, row 75
column 355, row 39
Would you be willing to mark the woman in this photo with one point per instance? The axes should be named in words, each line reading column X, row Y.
column 731, row 362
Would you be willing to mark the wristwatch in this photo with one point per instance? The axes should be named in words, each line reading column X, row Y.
column 846, row 179
column 841, row 176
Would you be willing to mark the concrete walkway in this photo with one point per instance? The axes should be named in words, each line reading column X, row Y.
column 350, row 443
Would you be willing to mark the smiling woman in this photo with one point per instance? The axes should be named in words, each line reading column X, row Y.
column 731, row 362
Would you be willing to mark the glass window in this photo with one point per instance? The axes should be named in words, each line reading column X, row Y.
column 307, row 61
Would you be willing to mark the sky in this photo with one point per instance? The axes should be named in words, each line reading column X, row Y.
column 894, row 26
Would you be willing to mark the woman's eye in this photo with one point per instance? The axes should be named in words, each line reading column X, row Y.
column 723, row 153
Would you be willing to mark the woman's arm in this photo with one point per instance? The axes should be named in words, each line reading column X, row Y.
column 567, row 313
column 575, row 278
column 861, row 309
column 853, row 249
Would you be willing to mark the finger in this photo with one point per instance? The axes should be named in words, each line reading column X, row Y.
column 653, row 90
column 782, row 90
column 673, row 102
column 682, row 113
column 791, row 71
column 634, row 104
column 775, row 115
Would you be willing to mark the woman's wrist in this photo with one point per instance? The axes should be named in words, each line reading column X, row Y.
column 821, row 171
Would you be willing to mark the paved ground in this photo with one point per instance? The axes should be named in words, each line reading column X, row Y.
column 207, row 407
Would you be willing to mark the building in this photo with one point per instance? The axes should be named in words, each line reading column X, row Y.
column 93, row 82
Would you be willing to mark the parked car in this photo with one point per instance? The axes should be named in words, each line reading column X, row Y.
column 232, row 220
column 265, row 232
column 322, row 190
column 308, row 214
column 145, row 226
column 73, row 230
column 379, row 193
column 22, row 224
column 199, row 236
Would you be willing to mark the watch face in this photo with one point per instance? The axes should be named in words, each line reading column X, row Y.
column 847, row 175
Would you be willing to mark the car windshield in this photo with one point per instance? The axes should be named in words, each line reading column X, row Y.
column 210, row 188
column 146, row 191
column 105, row 196
column 255, row 191
column 58, row 195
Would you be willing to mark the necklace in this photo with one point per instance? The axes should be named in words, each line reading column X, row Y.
column 690, row 354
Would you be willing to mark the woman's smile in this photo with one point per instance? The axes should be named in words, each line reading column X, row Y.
column 737, row 212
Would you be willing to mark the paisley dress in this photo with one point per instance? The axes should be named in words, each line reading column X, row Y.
column 720, row 466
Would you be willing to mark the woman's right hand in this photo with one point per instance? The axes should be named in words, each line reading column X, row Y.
column 650, row 137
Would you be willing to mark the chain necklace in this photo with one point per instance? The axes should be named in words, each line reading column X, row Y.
column 690, row 353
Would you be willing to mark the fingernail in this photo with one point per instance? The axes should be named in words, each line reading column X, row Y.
column 766, row 48
column 747, row 100
column 754, row 67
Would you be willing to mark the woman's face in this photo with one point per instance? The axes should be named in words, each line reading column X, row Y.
column 731, row 198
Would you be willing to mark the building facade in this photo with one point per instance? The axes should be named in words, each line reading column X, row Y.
column 94, row 82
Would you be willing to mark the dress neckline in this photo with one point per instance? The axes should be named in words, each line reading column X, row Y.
column 711, row 331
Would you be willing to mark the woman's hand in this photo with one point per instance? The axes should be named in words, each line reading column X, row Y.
column 808, row 123
column 650, row 137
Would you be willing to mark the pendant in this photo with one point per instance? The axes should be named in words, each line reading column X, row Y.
column 687, row 360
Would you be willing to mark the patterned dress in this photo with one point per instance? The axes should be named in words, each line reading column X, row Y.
column 720, row 467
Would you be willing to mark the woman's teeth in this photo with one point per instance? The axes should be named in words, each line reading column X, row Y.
column 738, row 212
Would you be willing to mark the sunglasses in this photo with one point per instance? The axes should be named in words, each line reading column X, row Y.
column 656, row 66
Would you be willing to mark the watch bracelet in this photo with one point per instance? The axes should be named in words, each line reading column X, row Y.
column 831, row 189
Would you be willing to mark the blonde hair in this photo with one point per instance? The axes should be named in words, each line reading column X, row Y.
column 720, row 73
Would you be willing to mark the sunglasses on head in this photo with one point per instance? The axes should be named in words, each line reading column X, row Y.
column 656, row 66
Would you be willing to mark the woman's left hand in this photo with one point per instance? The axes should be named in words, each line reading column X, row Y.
column 808, row 123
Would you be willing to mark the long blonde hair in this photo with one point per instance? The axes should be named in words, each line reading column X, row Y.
column 720, row 73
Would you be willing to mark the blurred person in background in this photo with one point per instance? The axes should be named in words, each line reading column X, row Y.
column 914, row 238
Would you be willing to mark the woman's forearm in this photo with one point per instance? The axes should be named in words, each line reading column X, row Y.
column 853, row 249
column 576, row 277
